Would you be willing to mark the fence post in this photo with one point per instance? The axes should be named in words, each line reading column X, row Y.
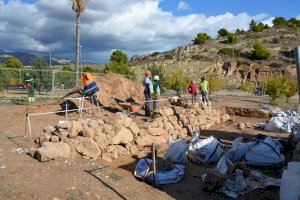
column 53, row 85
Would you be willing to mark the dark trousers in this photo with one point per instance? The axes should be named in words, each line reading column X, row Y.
column 148, row 105
column 155, row 104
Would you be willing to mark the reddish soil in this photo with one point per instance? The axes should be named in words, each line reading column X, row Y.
column 22, row 177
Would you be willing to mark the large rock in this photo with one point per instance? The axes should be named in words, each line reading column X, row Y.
column 148, row 140
column 168, row 112
column 134, row 129
column 76, row 128
column 102, row 140
column 107, row 157
column 123, row 136
column 49, row 129
column 64, row 124
column 51, row 151
column 62, row 133
column 54, row 138
column 157, row 131
column 88, row 148
column 127, row 122
column 44, row 138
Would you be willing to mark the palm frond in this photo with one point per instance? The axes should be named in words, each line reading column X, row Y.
column 79, row 5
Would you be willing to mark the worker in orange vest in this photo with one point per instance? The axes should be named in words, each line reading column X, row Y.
column 90, row 87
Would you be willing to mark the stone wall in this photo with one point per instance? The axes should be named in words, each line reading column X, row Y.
column 118, row 135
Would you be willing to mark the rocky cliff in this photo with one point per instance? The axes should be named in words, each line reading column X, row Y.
column 234, row 64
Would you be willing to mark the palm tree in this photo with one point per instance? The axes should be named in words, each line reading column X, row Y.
column 78, row 6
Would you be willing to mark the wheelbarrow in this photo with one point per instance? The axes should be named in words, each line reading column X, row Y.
column 130, row 108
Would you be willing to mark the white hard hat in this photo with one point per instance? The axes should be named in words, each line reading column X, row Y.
column 156, row 78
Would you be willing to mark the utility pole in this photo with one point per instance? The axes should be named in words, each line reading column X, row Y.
column 80, row 60
column 297, row 55
column 50, row 60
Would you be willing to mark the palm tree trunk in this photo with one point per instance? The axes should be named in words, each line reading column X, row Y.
column 77, row 47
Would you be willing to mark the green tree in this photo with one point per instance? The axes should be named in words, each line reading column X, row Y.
column 177, row 80
column 119, row 57
column 222, row 32
column 240, row 31
column 279, row 22
column 294, row 21
column 257, row 27
column 42, row 79
column 275, row 87
column 290, row 89
column 201, row 38
column 13, row 63
column 260, row 52
column 118, row 64
column 232, row 38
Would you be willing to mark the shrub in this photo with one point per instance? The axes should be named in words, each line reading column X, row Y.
column 240, row 32
column 290, row 89
column 13, row 63
column 230, row 52
column 260, row 52
column 201, row 38
column 279, row 22
column 118, row 68
column 177, row 80
column 232, row 38
column 118, row 65
column 155, row 54
column 168, row 56
column 91, row 69
column 222, row 32
column 198, row 57
column 248, row 87
column 275, row 87
column 216, row 82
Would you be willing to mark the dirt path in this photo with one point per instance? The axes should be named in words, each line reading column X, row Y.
column 22, row 177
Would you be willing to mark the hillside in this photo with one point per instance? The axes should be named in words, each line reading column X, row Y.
column 198, row 60
column 27, row 57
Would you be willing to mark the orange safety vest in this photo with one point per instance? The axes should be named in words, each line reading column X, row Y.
column 87, row 78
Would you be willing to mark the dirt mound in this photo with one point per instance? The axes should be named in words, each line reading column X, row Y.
column 115, row 87
column 248, row 112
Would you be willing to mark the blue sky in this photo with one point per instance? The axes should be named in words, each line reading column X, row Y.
column 137, row 27
column 286, row 8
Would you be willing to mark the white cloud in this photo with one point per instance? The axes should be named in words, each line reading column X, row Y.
column 183, row 5
column 298, row 16
column 135, row 26
column 268, row 21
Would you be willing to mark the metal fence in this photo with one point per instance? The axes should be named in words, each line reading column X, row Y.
column 47, row 83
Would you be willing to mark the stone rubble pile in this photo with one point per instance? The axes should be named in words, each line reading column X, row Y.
column 118, row 135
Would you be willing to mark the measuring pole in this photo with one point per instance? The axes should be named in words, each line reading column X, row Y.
column 297, row 55
column 154, row 164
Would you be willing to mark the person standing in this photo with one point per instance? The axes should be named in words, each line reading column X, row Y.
column 193, row 89
column 204, row 91
column 29, row 84
column 148, row 90
column 156, row 92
